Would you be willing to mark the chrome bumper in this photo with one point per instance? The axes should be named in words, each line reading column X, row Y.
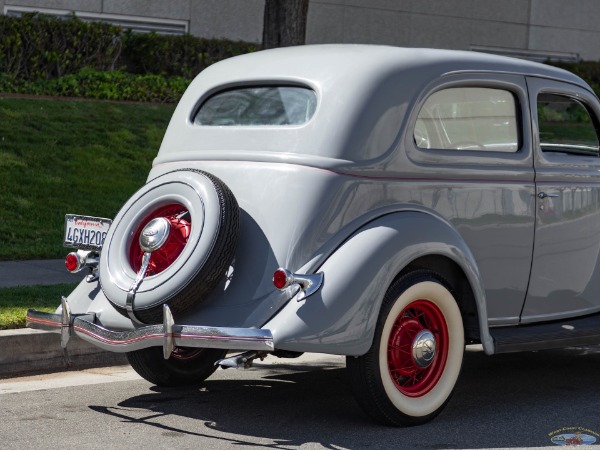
column 167, row 335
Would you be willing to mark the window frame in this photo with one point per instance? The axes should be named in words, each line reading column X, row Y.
column 442, row 131
column 564, row 150
column 520, row 161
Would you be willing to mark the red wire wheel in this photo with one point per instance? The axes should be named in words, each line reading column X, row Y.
column 186, row 354
column 408, row 374
column 161, row 259
column 410, row 378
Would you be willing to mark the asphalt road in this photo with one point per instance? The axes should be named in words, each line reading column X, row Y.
column 505, row 401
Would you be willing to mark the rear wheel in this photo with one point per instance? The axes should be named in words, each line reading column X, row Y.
column 408, row 374
column 186, row 366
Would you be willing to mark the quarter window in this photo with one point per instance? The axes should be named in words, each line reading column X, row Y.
column 566, row 126
column 469, row 118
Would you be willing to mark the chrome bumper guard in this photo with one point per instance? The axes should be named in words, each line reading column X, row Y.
column 167, row 335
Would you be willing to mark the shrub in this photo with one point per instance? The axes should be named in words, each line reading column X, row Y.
column 588, row 70
column 91, row 83
column 184, row 56
column 37, row 47
column 43, row 55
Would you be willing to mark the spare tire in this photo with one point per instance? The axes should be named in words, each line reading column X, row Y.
column 202, row 218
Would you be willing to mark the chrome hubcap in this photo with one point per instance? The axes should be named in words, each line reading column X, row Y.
column 423, row 348
column 154, row 234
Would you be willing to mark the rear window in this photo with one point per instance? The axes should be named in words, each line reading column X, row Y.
column 258, row 106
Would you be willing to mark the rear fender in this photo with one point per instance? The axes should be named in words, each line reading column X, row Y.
column 341, row 317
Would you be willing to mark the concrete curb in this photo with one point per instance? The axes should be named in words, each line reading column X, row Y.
column 28, row 352
column 25, row 351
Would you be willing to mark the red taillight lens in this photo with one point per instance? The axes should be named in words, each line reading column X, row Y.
column 72, row 262
column 280, row 279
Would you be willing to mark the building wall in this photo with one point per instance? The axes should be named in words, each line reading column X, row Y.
column 528, row 27
column 416, row 23
column 233, row 19
column 566, row 26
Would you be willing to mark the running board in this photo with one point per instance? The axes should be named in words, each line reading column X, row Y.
column 563, row 333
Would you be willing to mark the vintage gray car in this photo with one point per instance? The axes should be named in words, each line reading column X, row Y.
column 387, row 204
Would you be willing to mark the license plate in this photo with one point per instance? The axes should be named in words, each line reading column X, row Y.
column 85, row 232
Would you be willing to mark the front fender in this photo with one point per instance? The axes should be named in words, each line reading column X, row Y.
column 341, row 317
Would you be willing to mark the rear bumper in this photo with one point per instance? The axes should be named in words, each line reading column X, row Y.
column 167, row 335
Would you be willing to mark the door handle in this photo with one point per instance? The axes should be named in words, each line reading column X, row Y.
column 544, row 195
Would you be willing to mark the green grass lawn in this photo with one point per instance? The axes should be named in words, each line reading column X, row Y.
column 16, row 301
column 61, row 156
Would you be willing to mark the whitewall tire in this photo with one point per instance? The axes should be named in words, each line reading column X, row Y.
column 202, row 218
column 409, row 373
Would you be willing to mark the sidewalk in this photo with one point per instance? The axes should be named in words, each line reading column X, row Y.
column 24, row 351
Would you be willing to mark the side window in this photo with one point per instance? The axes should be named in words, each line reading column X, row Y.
column 566, row 126
column 469, row 118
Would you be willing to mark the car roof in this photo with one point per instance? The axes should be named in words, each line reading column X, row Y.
column 364, row 93
column 343, row 62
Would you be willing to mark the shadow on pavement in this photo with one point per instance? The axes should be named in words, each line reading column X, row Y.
column 513, row 400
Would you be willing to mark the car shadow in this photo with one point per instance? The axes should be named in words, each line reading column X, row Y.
column 512, row 400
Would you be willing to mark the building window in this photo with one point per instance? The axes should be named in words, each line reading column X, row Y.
column 136, row 24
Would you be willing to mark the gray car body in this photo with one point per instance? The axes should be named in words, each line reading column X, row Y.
column 350, row 195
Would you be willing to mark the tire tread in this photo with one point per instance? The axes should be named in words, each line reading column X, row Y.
column 150, row 365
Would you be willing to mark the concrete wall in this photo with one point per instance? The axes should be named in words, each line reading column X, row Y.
column 527, row 26
column 457, row 24
column 566, row 26
column 233, row 19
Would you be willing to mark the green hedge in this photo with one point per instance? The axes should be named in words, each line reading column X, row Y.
column 184, row 56
column 35, row 46
column 38, row 47
column 588, row 70
column 68, row 57
column 108, row 85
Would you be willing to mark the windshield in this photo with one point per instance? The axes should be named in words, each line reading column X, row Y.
column 258, row 106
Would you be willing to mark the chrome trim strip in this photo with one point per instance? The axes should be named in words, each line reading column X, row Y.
column 155, row 335
column 44, row 321
column 55, row 323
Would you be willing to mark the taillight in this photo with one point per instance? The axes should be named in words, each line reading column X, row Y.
column 73, row 262
column 281, row 278
column 309, row 284
column 79, row 260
